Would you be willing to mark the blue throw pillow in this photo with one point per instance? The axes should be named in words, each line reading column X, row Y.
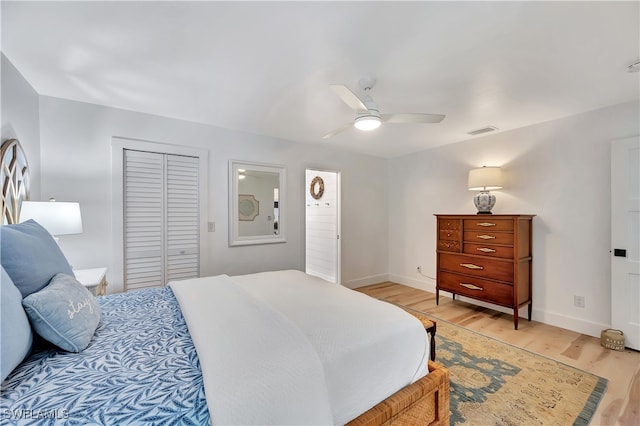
column 16, row 336
column 31, row 256
column 64, row 313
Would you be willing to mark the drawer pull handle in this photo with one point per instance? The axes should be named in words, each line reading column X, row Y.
column 486, row 224
column 487, row 237
column 471, row 266
column 471, row 286
column 486, row 250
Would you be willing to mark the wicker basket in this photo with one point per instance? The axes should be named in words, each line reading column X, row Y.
column 612, row 339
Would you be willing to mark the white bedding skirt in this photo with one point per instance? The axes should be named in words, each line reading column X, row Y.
column 351, row 350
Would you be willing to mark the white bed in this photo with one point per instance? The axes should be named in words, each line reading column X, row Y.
column 289, row 325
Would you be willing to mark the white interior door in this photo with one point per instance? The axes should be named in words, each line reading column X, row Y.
column 322, row 224
column 625, row 239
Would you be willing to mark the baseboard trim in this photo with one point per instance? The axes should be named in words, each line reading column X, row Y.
column 361, row 282
column 426, row 284
column 578, row 325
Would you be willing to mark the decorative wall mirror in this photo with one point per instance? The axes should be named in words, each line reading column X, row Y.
column 14, row 178
column 256, row 197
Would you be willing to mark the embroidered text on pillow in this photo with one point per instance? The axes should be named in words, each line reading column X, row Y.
column 79, row 306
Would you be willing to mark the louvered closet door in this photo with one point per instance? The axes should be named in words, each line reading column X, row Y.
column 161, row 211
column 143, row 219
column 183, row 250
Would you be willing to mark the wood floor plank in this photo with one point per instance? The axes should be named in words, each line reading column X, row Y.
column 611, row 411
column 621, row 403
column 575, row 348
column 631, row 413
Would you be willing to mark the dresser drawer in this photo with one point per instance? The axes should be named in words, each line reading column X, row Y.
column 488, row 224
column 448, row 245
column 487, row 268
column 477, row 288
column 450, row 224
column 449, row 234
column 489, row 237
column 504, row 252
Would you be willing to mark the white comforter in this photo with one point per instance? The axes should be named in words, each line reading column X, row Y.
column 287, row 348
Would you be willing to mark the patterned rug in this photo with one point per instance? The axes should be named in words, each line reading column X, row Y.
column 494, row 383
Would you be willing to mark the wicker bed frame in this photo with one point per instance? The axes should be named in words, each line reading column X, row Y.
column 425, row 402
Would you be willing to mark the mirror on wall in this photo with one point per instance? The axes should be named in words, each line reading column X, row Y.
column 256, row 197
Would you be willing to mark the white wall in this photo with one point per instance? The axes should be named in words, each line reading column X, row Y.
column 76, row 166
column 560, row 171
column 20, row 119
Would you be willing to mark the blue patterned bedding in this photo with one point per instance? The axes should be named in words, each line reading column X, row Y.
column 140, row 368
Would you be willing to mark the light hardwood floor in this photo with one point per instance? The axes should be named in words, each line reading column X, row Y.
column 621, row 403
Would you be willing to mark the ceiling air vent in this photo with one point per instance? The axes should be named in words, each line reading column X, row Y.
column 483, row 130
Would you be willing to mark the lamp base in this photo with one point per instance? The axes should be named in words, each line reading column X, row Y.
column 484, row 202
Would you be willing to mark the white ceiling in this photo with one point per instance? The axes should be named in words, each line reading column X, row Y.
column 265, row 67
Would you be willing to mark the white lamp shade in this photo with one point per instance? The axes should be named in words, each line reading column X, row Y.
column 59, row 218
column 485, row 179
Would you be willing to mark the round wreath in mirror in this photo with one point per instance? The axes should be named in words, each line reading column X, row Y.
column 317, row 188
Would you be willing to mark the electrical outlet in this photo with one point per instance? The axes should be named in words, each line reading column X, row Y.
column 578, row 301
column 211, row 227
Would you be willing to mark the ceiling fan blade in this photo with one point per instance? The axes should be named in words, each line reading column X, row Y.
column 348, row 97
column 412, row 118
column 338, row 130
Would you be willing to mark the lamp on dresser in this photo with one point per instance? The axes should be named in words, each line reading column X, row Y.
column 58, row 218
column 484, row 179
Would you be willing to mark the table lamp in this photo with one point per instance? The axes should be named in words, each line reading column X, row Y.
column 58, row 218
column 484, row 179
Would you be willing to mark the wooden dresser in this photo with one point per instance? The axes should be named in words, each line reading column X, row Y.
column 485, row 257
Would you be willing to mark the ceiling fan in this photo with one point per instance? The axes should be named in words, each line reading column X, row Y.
column 368, row 115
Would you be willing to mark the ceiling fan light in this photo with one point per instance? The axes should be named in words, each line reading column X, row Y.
column 367, row 122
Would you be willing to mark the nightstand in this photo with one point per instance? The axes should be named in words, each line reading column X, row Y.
column 94, row 279
column 430, row 327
